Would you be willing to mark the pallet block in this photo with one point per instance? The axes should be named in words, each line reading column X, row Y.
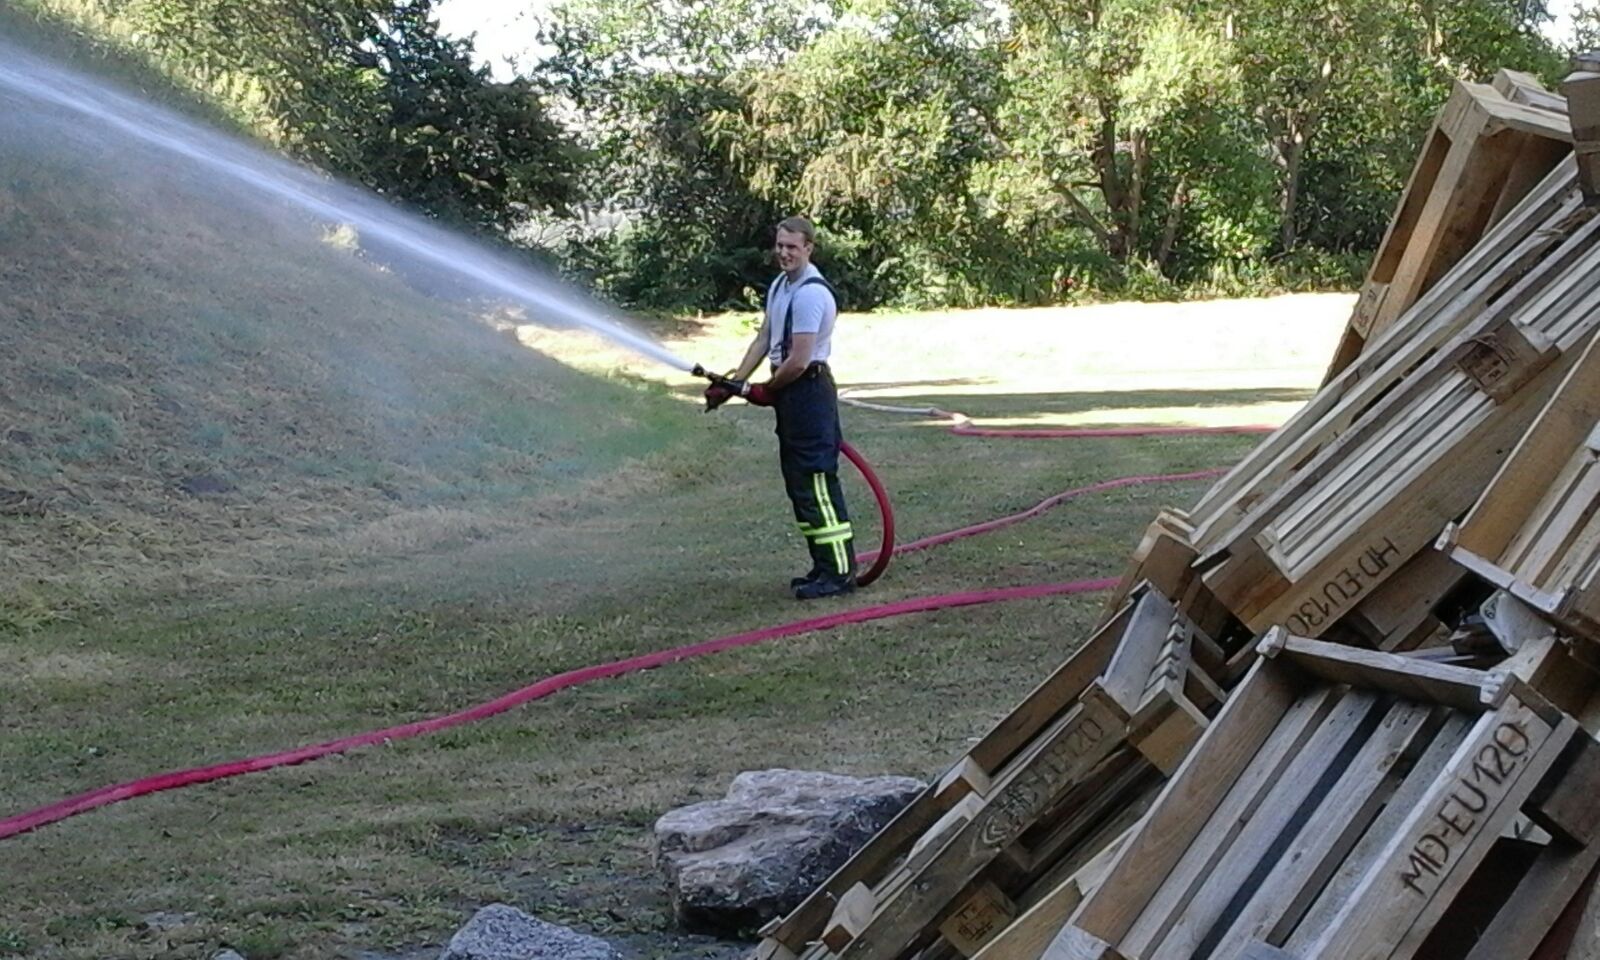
column 982, row 914
column 1337, row 807
column 1026, row 807
column 1522, row 87
column 1399, row 614
column 1535, row 531
column 1582, row 90
column 1489, row 146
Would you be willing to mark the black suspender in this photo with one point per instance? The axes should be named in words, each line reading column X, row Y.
column 788, row 313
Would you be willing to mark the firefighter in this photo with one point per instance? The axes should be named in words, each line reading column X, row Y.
column 796, row 338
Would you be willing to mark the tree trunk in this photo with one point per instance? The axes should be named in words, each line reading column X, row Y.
column 1169, row 230
column 1112, row 188
column 1141, row 157
column 1299, row 126
column 1082, row 214
column 1293, row 151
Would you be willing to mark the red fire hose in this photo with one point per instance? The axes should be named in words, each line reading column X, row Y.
column 116, row 793
column 961, row 425
column 879, row 558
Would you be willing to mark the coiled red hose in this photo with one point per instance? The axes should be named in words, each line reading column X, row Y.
column 879, row 559
column 173, row 780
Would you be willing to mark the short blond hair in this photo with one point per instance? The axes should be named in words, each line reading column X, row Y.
column 801, row 226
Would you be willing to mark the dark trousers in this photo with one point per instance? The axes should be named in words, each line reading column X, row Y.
column 808, row 452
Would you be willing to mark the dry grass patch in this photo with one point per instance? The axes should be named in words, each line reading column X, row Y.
column 195, row 390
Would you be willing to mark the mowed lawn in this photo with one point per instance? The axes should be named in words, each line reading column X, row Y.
column 549, row 807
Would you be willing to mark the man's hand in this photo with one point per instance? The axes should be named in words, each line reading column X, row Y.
column 724, row 389
column 716, row 395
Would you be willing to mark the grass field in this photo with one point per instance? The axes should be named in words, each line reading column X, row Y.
column 550, row 807
column 257, row 491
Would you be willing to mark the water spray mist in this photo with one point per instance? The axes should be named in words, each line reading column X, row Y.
column 549, row 300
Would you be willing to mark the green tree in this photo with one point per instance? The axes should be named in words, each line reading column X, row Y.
column 446, row 137
column 876, row 127
column 1331, row 80
column 965, row 151
column 372, row 90
column 1585, row 28
column 667, row 218
column 1109, row 99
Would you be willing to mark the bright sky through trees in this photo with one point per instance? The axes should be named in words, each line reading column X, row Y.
column 505, row 31
column 508, row 31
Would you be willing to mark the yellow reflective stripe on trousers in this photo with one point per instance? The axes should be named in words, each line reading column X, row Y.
column 816, row 532
column 819, row 488
column 841, row 561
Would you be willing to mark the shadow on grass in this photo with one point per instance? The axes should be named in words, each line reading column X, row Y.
column 897, row 384
column 1093, row 406
column 679, row 326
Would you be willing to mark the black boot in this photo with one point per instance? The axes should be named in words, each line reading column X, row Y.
column 826, row 585
column 797, row 582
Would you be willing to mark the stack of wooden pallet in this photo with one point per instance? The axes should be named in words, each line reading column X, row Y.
column 1355, row 804
column 1402, row 441
column 1034, row 801
column 1346, row 705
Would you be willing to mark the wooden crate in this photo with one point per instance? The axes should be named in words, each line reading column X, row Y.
column 1416, row 458
column 1490, row 282
column 1340, row 806
column 1489, row 146
column 1027, row 807
column 1536, row 530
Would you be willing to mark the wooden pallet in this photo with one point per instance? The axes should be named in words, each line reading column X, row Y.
column 1489, row 146
column 1414, row 459
column 1487, row 284
column 1535, row 531
column 1399, row 615
column 1027, row 807
column 1162, row 559
column 1341, row 806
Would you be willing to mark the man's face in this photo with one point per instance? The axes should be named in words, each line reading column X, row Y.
column 792, row 251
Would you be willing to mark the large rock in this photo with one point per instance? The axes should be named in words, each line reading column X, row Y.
column 499, row 932
column 737, row 862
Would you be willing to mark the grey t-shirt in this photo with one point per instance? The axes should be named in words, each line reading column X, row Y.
column 814, row 312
